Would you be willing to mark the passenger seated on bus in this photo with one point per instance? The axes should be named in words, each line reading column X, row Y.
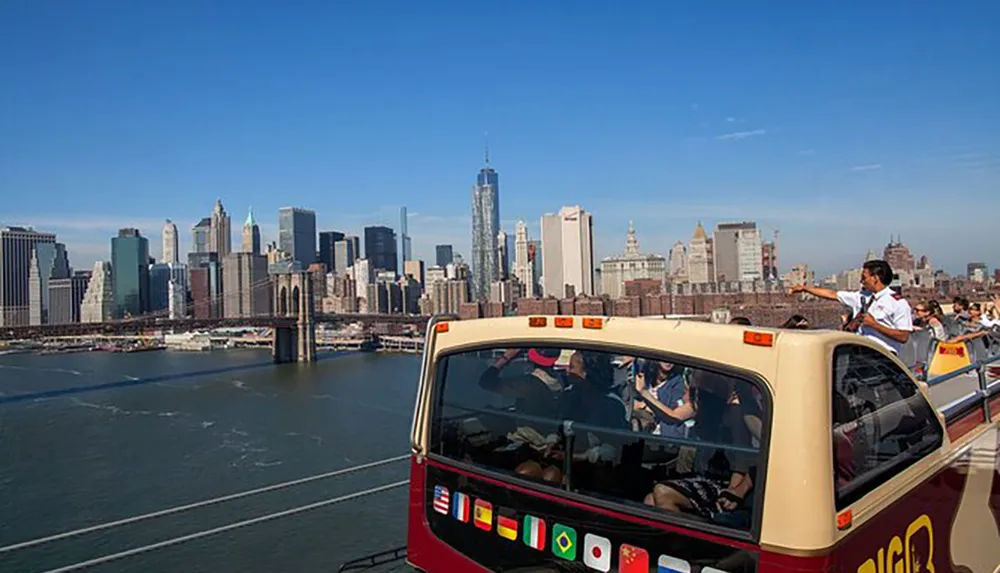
column 974, row 326
column 843, row 443
column 929, row 317
column 535, row 391
column 796, row 322
column 665, row 382
column 590, row 397
column 720, row 484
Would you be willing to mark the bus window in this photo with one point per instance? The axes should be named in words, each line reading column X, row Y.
column 645, row 433
column 881, row 422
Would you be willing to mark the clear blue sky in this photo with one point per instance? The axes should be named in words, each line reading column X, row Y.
column 836, row 122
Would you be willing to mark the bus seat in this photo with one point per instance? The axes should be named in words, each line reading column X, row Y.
column 952, row 327
column 917, row 347
column 978, row 348
column 948, row 357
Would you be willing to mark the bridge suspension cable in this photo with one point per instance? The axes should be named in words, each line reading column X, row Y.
column 236, row 525
column 197, row 504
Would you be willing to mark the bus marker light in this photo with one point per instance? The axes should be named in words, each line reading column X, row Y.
column 758, row 338
column 845, row 520
column 441, row 327
column 593, row 323
column 564, row 322
column 537, row 321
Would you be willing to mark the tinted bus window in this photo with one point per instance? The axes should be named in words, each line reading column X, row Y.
column 642, row 433
column 881, row 422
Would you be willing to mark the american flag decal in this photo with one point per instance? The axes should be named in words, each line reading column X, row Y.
column 442, row 498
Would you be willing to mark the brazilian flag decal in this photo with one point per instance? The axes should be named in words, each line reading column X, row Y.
column 564, row 542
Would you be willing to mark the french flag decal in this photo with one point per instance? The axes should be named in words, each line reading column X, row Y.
column 460, row 507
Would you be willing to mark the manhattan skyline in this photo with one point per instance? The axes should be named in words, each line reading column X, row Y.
column 792, row 116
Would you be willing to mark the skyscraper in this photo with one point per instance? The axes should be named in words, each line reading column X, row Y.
column 297, row 234
column 200, row 236
column 345, row 252
column 17, row 246
column 251, row 235
column 485, row 227
column 443, row 255
column 700, row 266
column 246, row 286
column 737, row 252
column 899, row 257
column 171, row 252
column 503, row 255
column 678, row 262
column 380, row 248
column 404, row 238
column 98, row 301
column 66, row 297
column 48, row 261
column 568, row 252
column 220, row 239
column 328, row 249
column 130, row 274
column 159, row 287
column 523, row 269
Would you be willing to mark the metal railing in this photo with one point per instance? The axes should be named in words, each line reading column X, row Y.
column 982, row 395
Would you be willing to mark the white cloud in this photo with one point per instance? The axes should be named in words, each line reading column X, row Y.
column 869, row 167
column 730, row 119
column 807, row 152
column 737, row 135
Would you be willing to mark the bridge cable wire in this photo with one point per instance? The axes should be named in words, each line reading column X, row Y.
column 223, row 528
column 197, row 504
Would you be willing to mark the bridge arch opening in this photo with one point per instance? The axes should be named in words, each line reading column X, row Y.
column 295, row 300
column 283, row 301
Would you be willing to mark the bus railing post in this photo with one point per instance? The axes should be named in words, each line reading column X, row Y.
column 568, row 436
column 984, row 390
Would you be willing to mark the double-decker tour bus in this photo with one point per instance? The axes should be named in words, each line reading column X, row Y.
column 567, row 443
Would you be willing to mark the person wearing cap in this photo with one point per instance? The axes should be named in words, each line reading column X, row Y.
column 535, row 392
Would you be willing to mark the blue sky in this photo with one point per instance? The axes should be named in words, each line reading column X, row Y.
column 836, row 122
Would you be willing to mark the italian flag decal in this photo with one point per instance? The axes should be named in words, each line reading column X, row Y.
column 534, row 532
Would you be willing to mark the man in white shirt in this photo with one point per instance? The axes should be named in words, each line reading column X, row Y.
column 887, row 318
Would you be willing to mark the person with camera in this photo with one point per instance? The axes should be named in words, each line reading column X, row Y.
column 878, row 313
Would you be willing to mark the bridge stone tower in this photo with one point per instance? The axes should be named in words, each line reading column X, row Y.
column 293, row 297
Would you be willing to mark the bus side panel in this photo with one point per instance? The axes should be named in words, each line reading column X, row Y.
column 947, row 523
column 424, row 551
column 506, row 527
column 778, row 563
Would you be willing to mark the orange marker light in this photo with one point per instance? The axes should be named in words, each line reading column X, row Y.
column 593, row 323
column 758, row 338
column 537, row 321
column 564, row 322
column 845, row 520
column 441, row 327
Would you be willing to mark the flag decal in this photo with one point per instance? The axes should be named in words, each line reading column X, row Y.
column 441, row 499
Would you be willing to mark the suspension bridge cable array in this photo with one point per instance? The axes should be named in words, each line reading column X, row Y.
column 195, row 505
column 207, row 532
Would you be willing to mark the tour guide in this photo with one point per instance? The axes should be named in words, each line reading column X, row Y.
column 883, row 315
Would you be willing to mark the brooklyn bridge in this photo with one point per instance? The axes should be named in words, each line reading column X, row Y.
column 292, row 319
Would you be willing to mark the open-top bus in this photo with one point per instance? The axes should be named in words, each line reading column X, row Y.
column 549, row 444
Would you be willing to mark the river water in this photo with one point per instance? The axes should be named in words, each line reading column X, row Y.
column 193, row 426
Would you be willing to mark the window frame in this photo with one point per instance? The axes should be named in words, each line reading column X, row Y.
column 750, row 534
column 889, row 470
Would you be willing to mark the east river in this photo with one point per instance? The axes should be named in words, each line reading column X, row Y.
column 191, row 427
